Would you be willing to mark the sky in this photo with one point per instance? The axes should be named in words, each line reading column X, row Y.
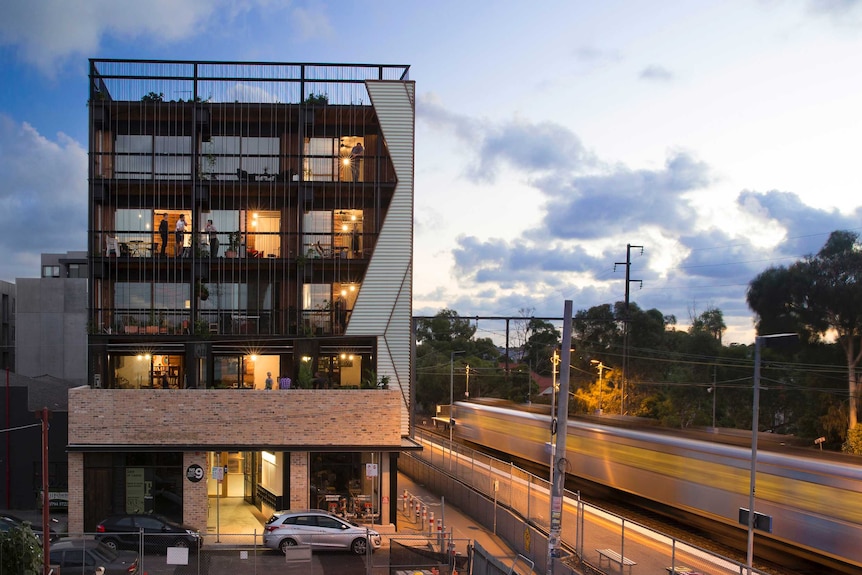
column 720, row 138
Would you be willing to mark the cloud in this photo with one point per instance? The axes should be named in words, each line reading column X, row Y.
column 591, row 55
column 516, row 144
column 430, row 110
column 530, row 147
column 594, row 206
column 43, row 200
column 518, row 263
column 656, row 73
column 836, row 8
column 308, row 24
column 48, row 33
column 807, row 227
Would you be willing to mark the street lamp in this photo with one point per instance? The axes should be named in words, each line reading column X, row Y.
column 452, row 400
column 759, row 341
column 601, row 367
column 711, row 389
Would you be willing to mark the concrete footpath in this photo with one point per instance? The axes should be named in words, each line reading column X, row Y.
column 464, row 528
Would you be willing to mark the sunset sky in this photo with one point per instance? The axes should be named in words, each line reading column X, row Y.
column 723, row 137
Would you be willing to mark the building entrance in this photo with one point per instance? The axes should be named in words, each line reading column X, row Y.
column 233, row 508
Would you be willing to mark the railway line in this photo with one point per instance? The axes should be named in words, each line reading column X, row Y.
column 694, row 483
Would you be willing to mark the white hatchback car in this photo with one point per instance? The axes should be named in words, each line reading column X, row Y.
column 319, row 530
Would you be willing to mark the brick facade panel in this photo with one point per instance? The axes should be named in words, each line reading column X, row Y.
column 210, row 417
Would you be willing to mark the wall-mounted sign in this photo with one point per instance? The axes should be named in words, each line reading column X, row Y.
column 194, row 473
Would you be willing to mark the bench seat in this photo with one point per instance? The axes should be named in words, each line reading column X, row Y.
column 612, row 555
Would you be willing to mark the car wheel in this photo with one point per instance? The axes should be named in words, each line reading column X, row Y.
column 112, row 543
column 285, row 543
column 359, row 546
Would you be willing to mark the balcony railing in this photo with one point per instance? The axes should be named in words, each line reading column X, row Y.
column 173, row 322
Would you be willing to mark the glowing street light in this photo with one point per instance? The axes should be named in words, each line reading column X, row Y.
column 601, row 367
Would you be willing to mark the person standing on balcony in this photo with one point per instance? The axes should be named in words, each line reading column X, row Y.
column 213, row 237
column 355, row 159
column 163, row 233
column 180, row 234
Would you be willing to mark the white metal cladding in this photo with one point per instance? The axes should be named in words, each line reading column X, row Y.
column 384, row 305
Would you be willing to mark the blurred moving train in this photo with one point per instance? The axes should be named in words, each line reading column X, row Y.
column 816, row 505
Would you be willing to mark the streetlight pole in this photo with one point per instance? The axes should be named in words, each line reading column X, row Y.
column 452, row 401
column 601, row 367
column 559, row 462
column 755, row 416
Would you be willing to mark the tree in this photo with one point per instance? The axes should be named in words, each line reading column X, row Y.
column 20, row 551
column 447, row 325
column 711, row 321
column 544, row 338
column 521, row 327
column 818, row 296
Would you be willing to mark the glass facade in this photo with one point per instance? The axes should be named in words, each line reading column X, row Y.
column 230, row 241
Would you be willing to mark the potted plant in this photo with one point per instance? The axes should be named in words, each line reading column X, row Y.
column 152, row 327
column 201, row 291
column 131, row 324
column 232, row 245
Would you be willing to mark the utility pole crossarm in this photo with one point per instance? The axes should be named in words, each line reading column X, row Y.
column 628, row 264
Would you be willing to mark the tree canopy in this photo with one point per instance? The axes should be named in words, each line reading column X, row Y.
column 681, row 377
column 819, row 297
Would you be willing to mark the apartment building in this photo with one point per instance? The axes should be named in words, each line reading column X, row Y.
column 250, row 287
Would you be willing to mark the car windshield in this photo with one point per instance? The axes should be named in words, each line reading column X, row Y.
column 104, row 553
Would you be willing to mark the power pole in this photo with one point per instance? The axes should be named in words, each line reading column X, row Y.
column 628, row 264
column 44, row 414
column 559, row 463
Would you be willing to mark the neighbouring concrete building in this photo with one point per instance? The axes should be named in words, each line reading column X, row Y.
column 250, row 226
column 7, row 326
column 51, row 320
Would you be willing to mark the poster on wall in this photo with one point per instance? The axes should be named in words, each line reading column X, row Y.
column 135, row 489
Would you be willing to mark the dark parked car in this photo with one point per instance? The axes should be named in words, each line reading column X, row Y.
column 124, row 531
column 87, row 555
column 8, row 521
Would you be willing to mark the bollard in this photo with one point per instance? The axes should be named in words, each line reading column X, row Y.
column 424, row 516
column 440, row 533
column 452, row 544
column 404, row 503
column 431, row 523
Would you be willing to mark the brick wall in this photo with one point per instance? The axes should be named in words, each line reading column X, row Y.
column 259, row 418
column 299, row 487
column 195, row 493
column 75, row 517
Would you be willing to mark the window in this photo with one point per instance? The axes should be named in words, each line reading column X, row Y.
column 50, row 271
column 173, row 159
column 224, row 157
column 134, row 157
column 317, row 234
column 143, row 156
column 322, row 161
column 77, row 271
